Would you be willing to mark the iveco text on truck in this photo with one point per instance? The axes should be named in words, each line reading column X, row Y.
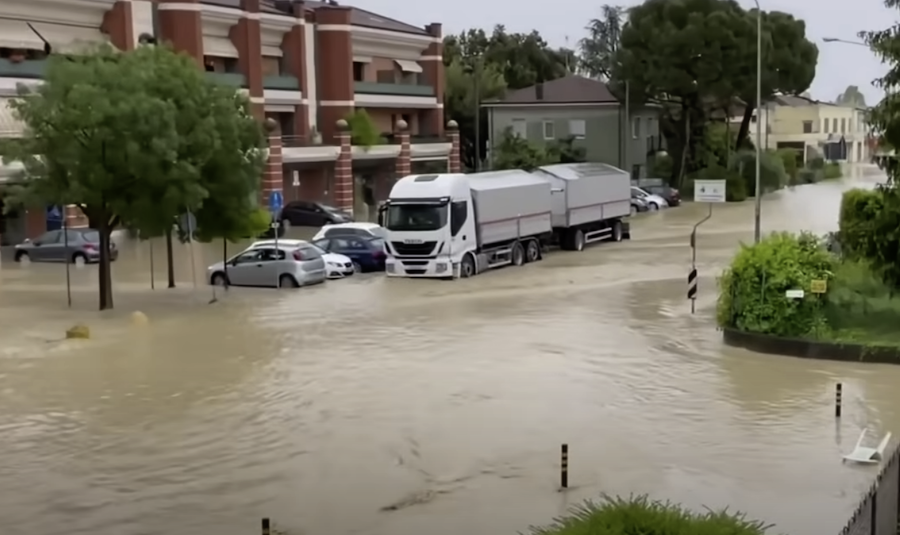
column 458, row 225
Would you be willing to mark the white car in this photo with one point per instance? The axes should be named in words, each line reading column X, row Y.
column 654, row 202
column 366, row 230
column 337, row 266
column 284, row 266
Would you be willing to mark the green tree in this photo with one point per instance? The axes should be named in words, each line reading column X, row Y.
column 597, row 50
column 464, row 90
column 482, row 66
column 126, row 137
column 788, row 64
column 851, row 97
column 884, row 118
column 515, row 152
column 687, row 58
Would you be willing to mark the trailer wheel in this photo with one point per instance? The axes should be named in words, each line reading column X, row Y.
column 467, row 267
column 579, row 240
column 518, row 254
column 532, row 251
column 617, row 231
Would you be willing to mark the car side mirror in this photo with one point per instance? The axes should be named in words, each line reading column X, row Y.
column 27, row 240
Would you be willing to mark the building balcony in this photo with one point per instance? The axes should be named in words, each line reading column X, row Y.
column 384, row 95
column 281, row 82
column 23, row 69
column 231, row 79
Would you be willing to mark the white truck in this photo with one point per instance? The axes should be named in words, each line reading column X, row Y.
column 459, row 225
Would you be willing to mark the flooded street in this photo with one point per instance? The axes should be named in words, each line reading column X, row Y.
column 446, row 401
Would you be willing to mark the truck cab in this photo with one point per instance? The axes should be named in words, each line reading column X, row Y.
column 431, row 227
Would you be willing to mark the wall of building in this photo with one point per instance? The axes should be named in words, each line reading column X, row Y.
column 603, row 130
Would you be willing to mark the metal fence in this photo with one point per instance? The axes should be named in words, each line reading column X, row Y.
column 878, row 513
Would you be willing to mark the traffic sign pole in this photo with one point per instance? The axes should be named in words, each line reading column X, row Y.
column 708, row 191
column 276, row 202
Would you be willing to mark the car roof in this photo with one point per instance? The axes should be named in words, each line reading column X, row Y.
column 280, row 243
column 364, row 225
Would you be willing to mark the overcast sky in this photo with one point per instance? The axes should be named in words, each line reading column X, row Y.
column 840, row 64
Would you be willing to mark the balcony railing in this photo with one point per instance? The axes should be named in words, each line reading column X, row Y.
column 283, row 82
column 30, row 68
column 408, row 90
column 232, row 79
column 393, row 139
column 298, row 141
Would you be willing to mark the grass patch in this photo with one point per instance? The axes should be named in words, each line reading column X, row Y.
column 639, row 515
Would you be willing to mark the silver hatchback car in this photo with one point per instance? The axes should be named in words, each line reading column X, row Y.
column 272, row 267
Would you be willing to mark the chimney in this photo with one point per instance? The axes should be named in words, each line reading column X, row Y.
column 539, row 91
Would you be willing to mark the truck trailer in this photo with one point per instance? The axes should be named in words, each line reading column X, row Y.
column 459, row 225
column 590, row 202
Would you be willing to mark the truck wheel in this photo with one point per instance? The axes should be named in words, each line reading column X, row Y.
column 532, row 251
column 617, row 231
column 518, row 254
column 579, row 241
column 467, row 267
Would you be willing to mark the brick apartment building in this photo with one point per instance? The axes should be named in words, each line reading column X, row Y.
column 305, row 65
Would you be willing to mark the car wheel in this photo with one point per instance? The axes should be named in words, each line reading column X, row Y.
column 634, row 209
column 80, row 256
column 654, row 207
column 286, row 281
column 356, row 267
column 219, row 279
column 22, row 255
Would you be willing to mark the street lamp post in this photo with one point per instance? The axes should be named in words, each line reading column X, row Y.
column 756, row 226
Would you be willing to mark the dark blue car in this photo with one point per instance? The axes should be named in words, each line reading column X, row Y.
column 366, row 253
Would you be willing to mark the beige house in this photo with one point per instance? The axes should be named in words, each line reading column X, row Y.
column 810, row 126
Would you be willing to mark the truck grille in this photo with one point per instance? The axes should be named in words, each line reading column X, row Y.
column 413, row 249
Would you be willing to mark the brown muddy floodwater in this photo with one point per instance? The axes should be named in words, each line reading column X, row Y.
column 446, row 401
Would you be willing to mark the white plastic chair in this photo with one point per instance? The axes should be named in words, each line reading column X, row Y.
column 865, row 455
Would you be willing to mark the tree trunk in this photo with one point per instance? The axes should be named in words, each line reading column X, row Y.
column 170, row 261
column 744, row 130
column 104, row 272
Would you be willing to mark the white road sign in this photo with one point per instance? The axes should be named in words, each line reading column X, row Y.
column 296, row 176
column 709, row 191
column 794, row 294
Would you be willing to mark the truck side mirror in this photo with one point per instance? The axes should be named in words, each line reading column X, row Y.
column 381, row 210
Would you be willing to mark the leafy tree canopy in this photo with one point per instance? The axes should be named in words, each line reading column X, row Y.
column 851, row 97
column 597, row 50
column 514, row 152
column 884, row 118
column 131, row 138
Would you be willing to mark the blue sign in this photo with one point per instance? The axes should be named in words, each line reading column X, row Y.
column 276, row 201
column 54, row 217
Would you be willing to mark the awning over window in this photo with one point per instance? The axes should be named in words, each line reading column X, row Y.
column 69, row 39
column 272, row 51
column 10, row 126
column 362, row 59
column 16, row 34
column 220, row 47
column 408, row 66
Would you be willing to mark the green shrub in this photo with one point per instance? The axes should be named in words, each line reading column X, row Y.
column 660, row 166
column 771, row 171
column 806, row 176
column 363, row 131
column 857, row 222
column 642, row 516
column 789, row 162
column 816, row 164
column 860, row 306
column 832, row 170
column 752, row 290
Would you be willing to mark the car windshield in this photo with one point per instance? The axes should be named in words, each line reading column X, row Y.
column 317, row 249
column 377, row 243
column 416, row 216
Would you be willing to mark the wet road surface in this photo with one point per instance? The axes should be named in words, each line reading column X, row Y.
column 375, row 406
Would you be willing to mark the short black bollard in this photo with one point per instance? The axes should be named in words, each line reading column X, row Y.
column 837, row 400
column 564, row 467
column 266, row 527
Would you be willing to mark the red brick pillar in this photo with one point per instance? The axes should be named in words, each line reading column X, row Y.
column 182, row 28
column 294, row 46
column 117, row 24
column 343, row 168
column 402, row 167
column 35, row 222
column 454, row 165
column 335, row 70
column 273, row 176
column 432, row 62
column 246, row 38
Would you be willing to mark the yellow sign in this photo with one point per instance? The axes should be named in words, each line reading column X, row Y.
column 818, row 286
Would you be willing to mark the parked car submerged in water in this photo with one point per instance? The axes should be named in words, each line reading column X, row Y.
column 70, row 245
column 654, row 202
column 337, row 266
column 284, row 266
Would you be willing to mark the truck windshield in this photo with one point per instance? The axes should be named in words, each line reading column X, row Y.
column 416, row 216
